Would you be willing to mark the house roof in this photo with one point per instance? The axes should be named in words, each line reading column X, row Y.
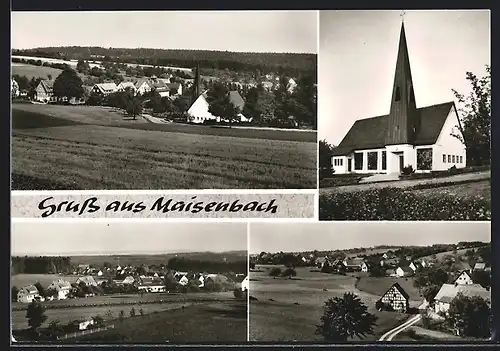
column 47, row 85
column 449, row 291
column 236, row 99
column 461, row 273
column 460, row 265
column 87, row 280
column 406, row 269
column 106, row 87
column 125, row 85
column 31, row 289
column 140, row 82
column 400, row 289
column 61, row 284
column 370, row 133
column 354, row 262
column 480, row 265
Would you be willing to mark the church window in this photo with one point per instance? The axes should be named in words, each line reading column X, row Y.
column 461, row 160
column 449, row 158
column 424, row 159
column 398, row 94
column 358, row 160
column 372, row 160
column 444, row 158
column 384, row 160
column 452, row 158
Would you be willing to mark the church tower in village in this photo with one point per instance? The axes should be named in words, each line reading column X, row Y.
column 197, row 82
column 402, row 122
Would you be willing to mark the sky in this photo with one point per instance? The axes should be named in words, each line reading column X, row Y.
column 298, row 237
column 125, row 238
column 244, row 31
column 357, row 59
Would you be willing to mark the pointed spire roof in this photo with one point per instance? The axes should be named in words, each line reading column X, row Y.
column 402, row 126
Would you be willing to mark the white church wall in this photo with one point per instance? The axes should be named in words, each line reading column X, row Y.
column 339, row 164
column 198, row 111
column 448, row 150
column 393, row 154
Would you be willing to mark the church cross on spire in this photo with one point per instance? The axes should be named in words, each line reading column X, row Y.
column 402, row 15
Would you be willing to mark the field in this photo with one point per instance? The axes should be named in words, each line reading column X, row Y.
column 32, row 71
column 20, row 280
column 66, row 144
column 221, row 322
column 290, row 309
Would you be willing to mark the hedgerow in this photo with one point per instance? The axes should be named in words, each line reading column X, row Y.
column 401, row 204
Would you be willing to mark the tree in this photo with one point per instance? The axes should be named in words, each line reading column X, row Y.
column 14, row 292
column 429, row 276
column 482, row 277
column 49, row 76
column 252, row 108
column 132, row 312
column 40, row 288
column 68, row 84
column 121, row 316
column 325, row 154
column 289, row 272
column 470, row 316
column 275, row 271
column 430, row 292
column 98, row 321
column 303, row 100
column 376, row 270
column 35, row 315
column 55, row 327
column 219, row 103
column 83, row 66
column 346, row 317
column 134, row 107
column 238, row 294
column 475, row 121
column 170, row 281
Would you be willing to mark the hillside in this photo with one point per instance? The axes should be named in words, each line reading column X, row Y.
column 231, row 256
column 288, row 63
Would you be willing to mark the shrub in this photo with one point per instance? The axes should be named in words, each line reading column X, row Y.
column 401, row 204
column 407, row 170
column 238, row 294
column 379, row 305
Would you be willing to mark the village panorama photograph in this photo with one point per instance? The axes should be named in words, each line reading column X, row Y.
column 164, row 100
column 376, row 282
column 405, row 127
column 129, row 283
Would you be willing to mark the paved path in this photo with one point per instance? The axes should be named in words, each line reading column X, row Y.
column 392, row 333
column 152, row 119
column 484, row 175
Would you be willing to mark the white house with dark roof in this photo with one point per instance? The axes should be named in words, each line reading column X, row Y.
column 480, row 266
column 407, row 136
column 404, row 271
column 44, row 91
column 449, row 291
column 126, row 85
column 105, row 88
column 464, row 278
column 62, row 287
column 142, row 86
column 87, row 280
column 28, row 293
column 397, row 298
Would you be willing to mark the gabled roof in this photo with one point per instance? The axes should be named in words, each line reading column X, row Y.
column 461, row 273
column 400, row 289
column 107, row 87
column 47, row 85
column 61, row 284
column 449, row 291
column 480, row 265
column 125, row 85
column 30, row 289
column 370, row 133
column 406, row 269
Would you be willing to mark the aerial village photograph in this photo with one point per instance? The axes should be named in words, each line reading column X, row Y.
column 164, row 100
column 390, row 282
column 405, row 126
column 129, row 282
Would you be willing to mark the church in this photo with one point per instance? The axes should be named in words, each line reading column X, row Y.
column 407, row 136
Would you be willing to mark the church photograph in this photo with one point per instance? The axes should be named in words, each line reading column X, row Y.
column 404, row 101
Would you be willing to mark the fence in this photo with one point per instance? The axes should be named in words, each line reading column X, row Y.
column 84, row 332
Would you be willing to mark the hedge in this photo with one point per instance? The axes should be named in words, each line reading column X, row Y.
column 401, row 204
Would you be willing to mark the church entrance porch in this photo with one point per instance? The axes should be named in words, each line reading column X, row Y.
column 401, row 163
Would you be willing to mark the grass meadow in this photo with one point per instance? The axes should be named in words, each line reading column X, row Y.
column 288, row 310
column 61, row 147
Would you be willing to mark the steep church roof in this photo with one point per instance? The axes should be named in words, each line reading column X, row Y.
column 370, row 133
column 405, row 123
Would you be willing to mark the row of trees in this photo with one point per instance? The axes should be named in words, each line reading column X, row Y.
column 189, row 265
column 40, row 265
column 284, row 63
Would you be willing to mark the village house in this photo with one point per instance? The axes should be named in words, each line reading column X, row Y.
column 321, row 261
column 28, row 293
column 480, row 266
column 175, row 89
column 142, row 86
column 199, row 110
column 151, row 286
column 44, row 91
column 245, row 284
column 404, row 271
column 449, row 291
column 83, row 325
column 407, row 136
column 128, row 280
column 464, row 278
column 365, row 267
column 415, row 266
column 391, row 272
column 61, row 287
column 105, row 89
column 126, row 85
column 87, row 280
column 397, row 298
column 14, row 88
column 353, row 264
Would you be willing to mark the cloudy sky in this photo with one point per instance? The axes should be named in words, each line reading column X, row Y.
column 251, row 31
column 141, row 237
column 294, row 237
column 357, row 59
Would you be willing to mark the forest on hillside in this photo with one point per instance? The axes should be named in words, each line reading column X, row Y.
column 291, row 64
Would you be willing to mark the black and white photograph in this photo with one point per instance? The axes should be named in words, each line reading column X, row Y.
column 169, row 100
column 392, row 282
column 129, row 282
column 405, row 125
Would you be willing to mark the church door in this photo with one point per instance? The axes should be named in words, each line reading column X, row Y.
column 401, row 163
column 349, row 164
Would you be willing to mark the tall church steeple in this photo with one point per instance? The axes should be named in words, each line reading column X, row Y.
column 197, row 82
column 403, row 119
